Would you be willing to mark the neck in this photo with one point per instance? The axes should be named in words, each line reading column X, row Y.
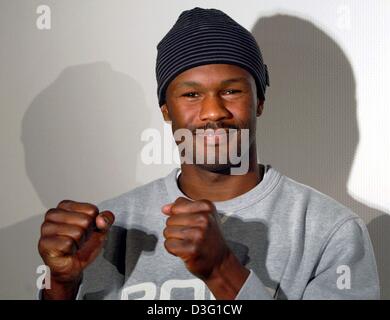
column 198, row 183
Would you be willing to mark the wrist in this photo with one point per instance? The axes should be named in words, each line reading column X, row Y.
column 227, row 279
column 61, row 290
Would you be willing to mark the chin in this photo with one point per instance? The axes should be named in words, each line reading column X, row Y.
column 216, row 167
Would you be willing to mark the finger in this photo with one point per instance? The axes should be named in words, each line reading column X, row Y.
column 179, row 201
column 91, row 248
column 75, row 218
column 176, row 232
column 52, row 247
column 105, row 220
column 183, row 205
column 94, row 243
column 76, row 233
column 178, row 248
column 81, row 207
column 189, row 219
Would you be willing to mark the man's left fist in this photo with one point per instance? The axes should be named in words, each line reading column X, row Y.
column 192, row 233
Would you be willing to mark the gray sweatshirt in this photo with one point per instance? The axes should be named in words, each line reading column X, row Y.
column 297, row 243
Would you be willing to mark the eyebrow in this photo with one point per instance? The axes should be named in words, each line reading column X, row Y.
column 224, row 82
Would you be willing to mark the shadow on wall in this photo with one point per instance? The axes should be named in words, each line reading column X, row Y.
column 82, row 135
column 308, row 130
column 81, row 140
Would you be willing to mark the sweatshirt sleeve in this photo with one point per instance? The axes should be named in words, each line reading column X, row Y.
column 346, row 268
column 253, row 289
column 40, row 292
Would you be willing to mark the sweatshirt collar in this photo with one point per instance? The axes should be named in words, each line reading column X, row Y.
column 270, row 179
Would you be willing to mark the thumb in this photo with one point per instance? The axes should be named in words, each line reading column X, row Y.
column 91, row 248
column 166, row 209
column 104, row 221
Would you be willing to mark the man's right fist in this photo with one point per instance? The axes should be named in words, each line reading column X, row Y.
column 72, row 236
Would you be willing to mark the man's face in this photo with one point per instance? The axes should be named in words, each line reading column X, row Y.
column 214, row 96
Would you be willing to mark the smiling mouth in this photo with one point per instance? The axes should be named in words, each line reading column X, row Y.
column 216, row 137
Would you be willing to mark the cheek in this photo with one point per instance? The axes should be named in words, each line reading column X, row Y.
column 243, row 116
column 183, row 117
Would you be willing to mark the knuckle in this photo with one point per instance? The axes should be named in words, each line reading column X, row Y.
column 165, row 233
column 65, row 244
column 85, row 221
column 45, row 227
column 206, row 205
column 78, row 232
column 93, row 207
column 169, row 221
column 167, row 245
column 42, row 243
column 170, row 246
column 50, row 212
column 176, row 208
column 64, row 202
column 180, row 200
column 53, row 246
column 193, row 250
column 198, row 235
column 202, row 221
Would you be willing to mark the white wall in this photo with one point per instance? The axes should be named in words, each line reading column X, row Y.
column 74, row 100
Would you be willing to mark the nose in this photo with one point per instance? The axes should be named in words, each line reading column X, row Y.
column 213, row 109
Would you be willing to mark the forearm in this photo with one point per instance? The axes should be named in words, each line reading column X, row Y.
column 226, row 281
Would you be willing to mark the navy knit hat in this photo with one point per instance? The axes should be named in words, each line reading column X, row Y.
column 207, row 36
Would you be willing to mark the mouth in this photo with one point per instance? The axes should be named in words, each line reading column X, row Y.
column 215, row 137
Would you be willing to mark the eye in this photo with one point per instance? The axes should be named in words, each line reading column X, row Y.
column 192, row 94
column 231, row 91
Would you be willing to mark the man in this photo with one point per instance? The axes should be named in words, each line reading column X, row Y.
column 211, row 229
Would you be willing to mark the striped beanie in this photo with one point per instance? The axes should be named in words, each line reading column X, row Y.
column 207, row 36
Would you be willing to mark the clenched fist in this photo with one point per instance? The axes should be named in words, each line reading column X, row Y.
column 192, row 233
column 72, row 236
